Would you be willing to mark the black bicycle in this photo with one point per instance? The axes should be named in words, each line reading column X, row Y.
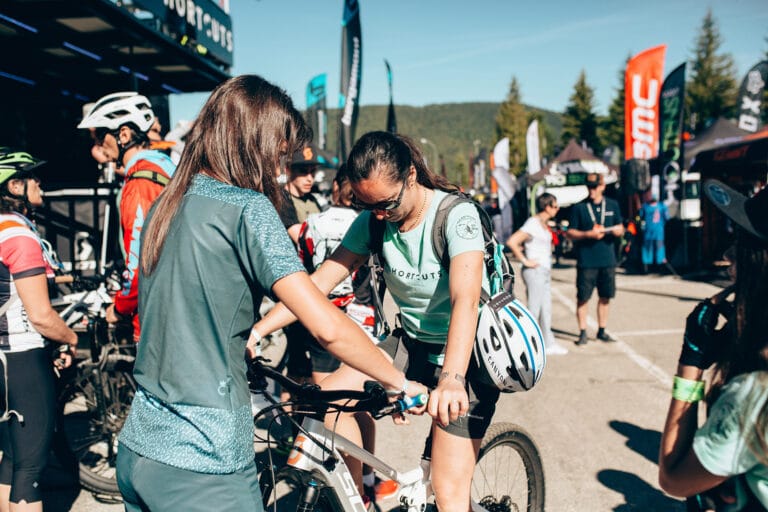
column 95, row 394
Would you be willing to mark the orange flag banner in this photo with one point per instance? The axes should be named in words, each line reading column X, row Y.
column 642, row 84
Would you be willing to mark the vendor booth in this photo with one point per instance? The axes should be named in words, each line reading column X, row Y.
column 743, row 165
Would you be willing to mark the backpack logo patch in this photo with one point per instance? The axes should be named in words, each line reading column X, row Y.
column 467, row 228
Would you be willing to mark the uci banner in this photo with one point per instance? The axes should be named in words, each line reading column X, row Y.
column 351, row 71
column 671, row 119
column 751, row 97
column 316, row 109
column 642, row 82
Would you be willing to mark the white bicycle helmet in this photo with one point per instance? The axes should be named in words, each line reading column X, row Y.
column 509, row 346
column 116, row 109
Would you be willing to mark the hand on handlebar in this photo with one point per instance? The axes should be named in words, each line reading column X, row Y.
column 414, row 389
column 65, row 354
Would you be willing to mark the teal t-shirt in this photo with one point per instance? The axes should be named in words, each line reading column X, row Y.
column 225, row 248
column 412, row 272
column 727, row 444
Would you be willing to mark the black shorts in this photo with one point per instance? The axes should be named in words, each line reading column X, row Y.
column 299, row 363
column 322, row 360
column 587, row 278
column 413, row 357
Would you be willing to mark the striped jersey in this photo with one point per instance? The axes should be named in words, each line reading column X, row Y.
column 21, row 255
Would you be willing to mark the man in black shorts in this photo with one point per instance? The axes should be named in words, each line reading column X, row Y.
column 595, row 225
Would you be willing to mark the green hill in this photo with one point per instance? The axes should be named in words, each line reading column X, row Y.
column 452, row 127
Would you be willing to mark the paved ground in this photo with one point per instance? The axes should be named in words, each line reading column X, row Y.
column 597, row 414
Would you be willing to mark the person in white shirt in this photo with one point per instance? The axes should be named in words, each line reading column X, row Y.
column 532, row 246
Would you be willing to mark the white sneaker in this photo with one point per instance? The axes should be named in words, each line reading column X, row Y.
column 555, row 349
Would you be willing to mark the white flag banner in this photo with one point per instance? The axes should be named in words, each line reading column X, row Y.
column 501, row 154
column 532, row 147
column 507, row 185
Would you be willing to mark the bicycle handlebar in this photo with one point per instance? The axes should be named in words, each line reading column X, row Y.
column 372, row 399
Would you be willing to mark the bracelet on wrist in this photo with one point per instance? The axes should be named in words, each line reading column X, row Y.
column 687, row 390
column 399, row 392
column 255, row 334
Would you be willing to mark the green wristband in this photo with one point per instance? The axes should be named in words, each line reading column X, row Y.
column 687, row 390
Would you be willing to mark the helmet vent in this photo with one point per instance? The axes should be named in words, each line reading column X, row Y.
column 535, row 343
column 524, row 361
column 508, row 328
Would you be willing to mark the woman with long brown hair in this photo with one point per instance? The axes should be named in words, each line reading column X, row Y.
column 213, row 246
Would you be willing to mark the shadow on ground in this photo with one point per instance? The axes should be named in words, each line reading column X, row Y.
column 638, row 494
column 644, row 441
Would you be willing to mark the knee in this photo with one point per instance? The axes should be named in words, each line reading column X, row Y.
column 449, row 497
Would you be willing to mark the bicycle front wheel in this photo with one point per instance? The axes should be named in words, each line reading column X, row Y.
column 285, row 491
column 509, row 476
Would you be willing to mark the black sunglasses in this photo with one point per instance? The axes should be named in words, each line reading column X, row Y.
column 384, row 206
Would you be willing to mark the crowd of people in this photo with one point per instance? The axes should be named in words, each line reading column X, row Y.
column 207, row 235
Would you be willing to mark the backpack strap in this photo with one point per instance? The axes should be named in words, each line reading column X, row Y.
column 496, row 266
column 153, row 176
column 376, row 229
column 439, row 238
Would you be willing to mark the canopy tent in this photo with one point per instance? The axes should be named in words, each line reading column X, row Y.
column 576, row 159
column 743, row 165
column 719, row 133
column 564, row 175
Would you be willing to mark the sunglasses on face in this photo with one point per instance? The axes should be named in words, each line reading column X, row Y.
column 384, row 206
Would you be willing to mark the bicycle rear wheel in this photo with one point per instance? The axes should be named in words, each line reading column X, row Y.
column 509, row 476
column 89, row 437
column 284, row 494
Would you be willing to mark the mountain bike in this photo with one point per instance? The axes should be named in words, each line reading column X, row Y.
column 508, row 476
column 94, row 394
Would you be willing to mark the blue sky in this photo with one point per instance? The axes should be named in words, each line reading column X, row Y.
column 445, row 51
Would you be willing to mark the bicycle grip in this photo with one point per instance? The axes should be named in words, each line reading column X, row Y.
column 402, row 404
column 408, row 402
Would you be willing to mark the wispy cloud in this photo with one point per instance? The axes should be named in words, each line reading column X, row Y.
column 502, row 43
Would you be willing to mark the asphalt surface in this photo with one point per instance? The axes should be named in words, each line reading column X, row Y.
column 597, row 414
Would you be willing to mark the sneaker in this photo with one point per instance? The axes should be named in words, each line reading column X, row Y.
column 582, row 339
column 555, row 349
column 381, row 490
column 385, row 489
column 605, row 337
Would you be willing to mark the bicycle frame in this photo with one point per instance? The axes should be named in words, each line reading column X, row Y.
column 309, row 454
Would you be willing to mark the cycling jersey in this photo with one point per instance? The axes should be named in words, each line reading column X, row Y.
column 21, row 255
column 136, row 197
column 224, row 250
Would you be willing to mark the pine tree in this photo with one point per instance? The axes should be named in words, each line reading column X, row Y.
column 579, row 119
column 611, row 127
column 711, row 91
column 512, row 122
